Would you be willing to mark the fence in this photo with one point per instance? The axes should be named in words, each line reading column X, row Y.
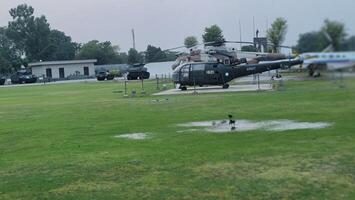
column 161, row 81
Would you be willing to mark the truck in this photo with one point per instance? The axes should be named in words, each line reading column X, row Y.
column 23, row 76
column 138, row 71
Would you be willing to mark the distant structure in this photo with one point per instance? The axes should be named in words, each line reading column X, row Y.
column 260, row 43
column 64, row 69
column 134, row 39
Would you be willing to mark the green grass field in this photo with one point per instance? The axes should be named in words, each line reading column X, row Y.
column 57, row 142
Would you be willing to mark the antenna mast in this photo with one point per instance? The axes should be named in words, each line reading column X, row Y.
column 240, row 34
column 254, row 26
column 134, row 39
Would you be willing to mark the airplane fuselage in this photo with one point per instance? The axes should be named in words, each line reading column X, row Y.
column 332, row 60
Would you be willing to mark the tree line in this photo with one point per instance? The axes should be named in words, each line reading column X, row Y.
column 28, row 38
column 31, row 39
column 331, row 34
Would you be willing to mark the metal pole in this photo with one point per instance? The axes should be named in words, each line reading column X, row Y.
column 125, row 88
column 240, row 35
column 157, row 83
column 254, row 26
column 143, row 92
column 258, row 82
column 342, row 83
column 195, row 85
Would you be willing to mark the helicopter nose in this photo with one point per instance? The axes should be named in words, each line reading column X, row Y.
column 175, row 76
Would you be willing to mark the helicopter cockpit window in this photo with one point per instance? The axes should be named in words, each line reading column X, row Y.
column 198, row 67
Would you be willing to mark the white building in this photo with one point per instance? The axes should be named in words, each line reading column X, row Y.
column 63, row 69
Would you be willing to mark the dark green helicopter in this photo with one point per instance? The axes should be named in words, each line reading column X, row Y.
column 208, row 73
column 218, row 65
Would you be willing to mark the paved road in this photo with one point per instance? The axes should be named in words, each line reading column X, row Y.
column 49, row 83
column 217, row 89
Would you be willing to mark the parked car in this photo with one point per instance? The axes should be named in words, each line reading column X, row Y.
column 101, row 76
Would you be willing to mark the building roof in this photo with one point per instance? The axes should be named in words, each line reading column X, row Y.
column 113, row 65
column 64, row 62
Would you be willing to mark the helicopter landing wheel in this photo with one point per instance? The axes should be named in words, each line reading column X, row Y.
column 183, row 88
column 225, row 86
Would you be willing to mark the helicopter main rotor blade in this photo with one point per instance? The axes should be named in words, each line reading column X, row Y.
column 180, row 47
column 240, row 42
column 269, row 44
column 175, row 48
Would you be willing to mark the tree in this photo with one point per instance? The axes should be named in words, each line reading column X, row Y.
column 155, row 54
column 336, row 32
column 9, row 58
column 104, row 52
column 190, row 41
column 349, row 44
column 60, row 46
column 134, row 57
column 311, row 42
column 171, row 55
column 34, row 38
column 249, row 48
column 122, row 57
column 332, row 33
column 214, row 35
column 30, row 34
column 20, row 28
column 276, row 34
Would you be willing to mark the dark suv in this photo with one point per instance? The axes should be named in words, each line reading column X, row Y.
column 101, row 76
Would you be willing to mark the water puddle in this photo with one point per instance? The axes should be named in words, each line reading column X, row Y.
column 222, row 126
column 133, row 136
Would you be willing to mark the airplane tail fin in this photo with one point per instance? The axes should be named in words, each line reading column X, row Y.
column 330, row 47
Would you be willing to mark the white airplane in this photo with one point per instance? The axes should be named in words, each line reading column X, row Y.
column 330, row 61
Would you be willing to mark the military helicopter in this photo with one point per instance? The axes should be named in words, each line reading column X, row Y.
column 209, row 73
column 216, row 65
column 215, row 52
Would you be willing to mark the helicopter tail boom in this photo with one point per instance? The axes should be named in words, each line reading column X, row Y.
column 246, row 70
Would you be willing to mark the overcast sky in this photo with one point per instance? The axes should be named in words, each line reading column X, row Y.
column 166, row 23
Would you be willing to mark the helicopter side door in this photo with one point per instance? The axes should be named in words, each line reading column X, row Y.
column 185, row 74
column 213, row 74
column 198, row 73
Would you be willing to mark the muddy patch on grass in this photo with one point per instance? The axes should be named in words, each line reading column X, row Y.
column 81, row 186
column 133, row 136
column 222, row 126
